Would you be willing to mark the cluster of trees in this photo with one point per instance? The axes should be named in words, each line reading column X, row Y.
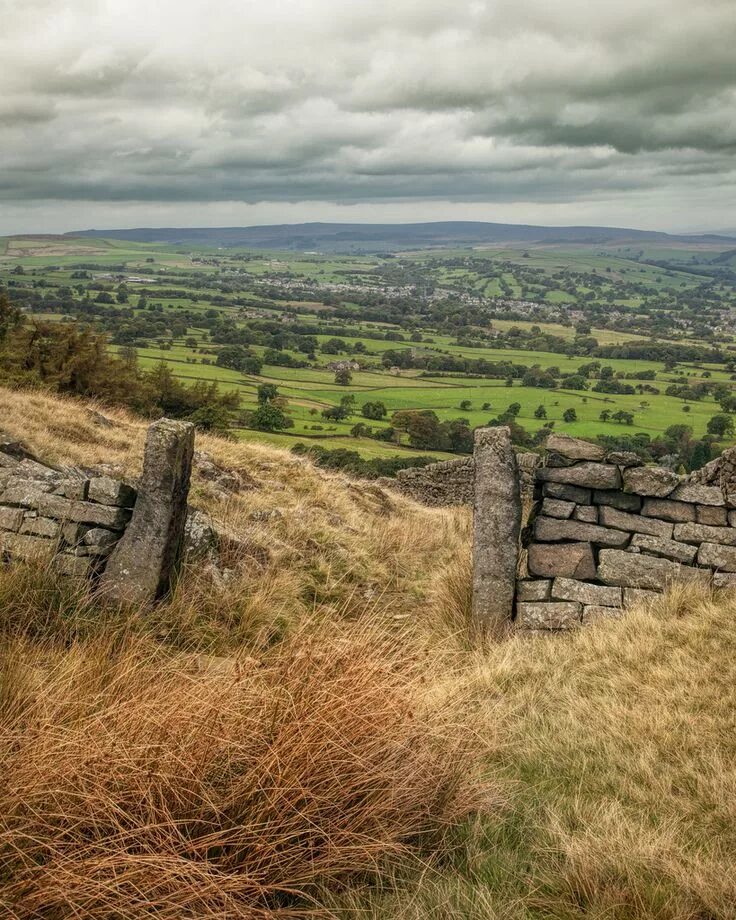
column 65, row 358
column 350, row 461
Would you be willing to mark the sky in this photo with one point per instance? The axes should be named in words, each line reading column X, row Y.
column 124, row 113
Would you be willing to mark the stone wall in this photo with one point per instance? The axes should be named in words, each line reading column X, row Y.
column 451, row 482
column 606, row 531
column 128, row 540
column 65, row 516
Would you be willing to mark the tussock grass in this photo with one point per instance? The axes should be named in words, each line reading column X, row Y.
column 136, row 784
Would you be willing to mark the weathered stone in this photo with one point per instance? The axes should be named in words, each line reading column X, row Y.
column 574, row 448
column 654, row 481
column 567, row 493
column 11, row 518
column 612, row 517
column 699, row 494
column 108, row 491
column 570, row 560
column 73, row 488
column 732, row 518
column 548, row 615
column 637, row 597
column 496, row 529
column 586, row 513
column 24, row 492
column 713, row 517
column 588, row 475
column 41, row 527
column 72, row 566
column 668, row 510
column 568, row 589
column 533, row 590
column 623, row 501
column 31, row 469
column 701, row 533
column 144, row 563
column 636, row 570
column 717, row 556
column 624, row 458
column 556, row 508
column 595, row 613
column 64, row 509
column 550, row 530
column 72, row 533
column 98, row 536
column 668, row 549
column 22, row 546
column 200, row 536
column 723, row 580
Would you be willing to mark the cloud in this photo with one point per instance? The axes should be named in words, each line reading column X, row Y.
column 374, row 103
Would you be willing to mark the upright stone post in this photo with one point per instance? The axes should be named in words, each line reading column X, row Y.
column 144, row 563
column 496, row 529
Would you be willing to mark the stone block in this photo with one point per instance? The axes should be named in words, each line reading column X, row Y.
column 98, row 536
column 623, row 501
column 668, row 510
column 23, row 546
column 612, row 517
column 699, row 494
column 712, row 516
column 624, row 458
column 732, row 518
column 701, row 533
column 568, row 589
column 145, row 561
column 64, row 509
column 556, row 508
column 108, row 491
column 587, row 475
column 724, row 580
column 548, row 615
column 11, row 518
column 567, row 493
column 24, row 493
column 667, row 549
column 637, row 570
column 496, row 529
column 41, row 527
column 30, row 469
column 717, row 556
column 651, row 481
column 595, row 613
column 551, row 530
column 574, row 448
column 537, row 590
column 586, row 513
column 73, row 566
column 73, row 533
column 637, row 597
column 73, row 488
column 570, row 560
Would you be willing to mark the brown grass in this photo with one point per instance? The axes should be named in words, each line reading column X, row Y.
column 135, row 784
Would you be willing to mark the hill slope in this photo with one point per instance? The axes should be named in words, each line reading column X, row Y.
column 378, row 237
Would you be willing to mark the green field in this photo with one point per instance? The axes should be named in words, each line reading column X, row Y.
column 356, row 295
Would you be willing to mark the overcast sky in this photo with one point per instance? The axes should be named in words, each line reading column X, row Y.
column 120, row 113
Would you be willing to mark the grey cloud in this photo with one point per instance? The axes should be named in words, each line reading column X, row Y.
column 372, row 101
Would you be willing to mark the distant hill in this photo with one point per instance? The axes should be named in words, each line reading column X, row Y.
column 387, row 237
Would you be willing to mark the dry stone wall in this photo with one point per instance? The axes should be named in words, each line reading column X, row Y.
column 606, row 532
column 64, row 516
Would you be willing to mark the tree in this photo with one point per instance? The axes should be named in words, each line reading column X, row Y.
column 465, row 405
column 266, row 392
column 569, row 415
column 343, row 375
column 373, row 410
column 348, row 403
column 10, row 316
column 721, row 426
column 335, row 413
column 605, row 415
column 540, row 412
column 623, row 417
column 269, row 418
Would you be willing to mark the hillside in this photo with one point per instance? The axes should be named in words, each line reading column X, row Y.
column 377, row 237
column 313, row 733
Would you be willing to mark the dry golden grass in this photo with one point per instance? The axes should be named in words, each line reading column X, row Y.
column 137, row 784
